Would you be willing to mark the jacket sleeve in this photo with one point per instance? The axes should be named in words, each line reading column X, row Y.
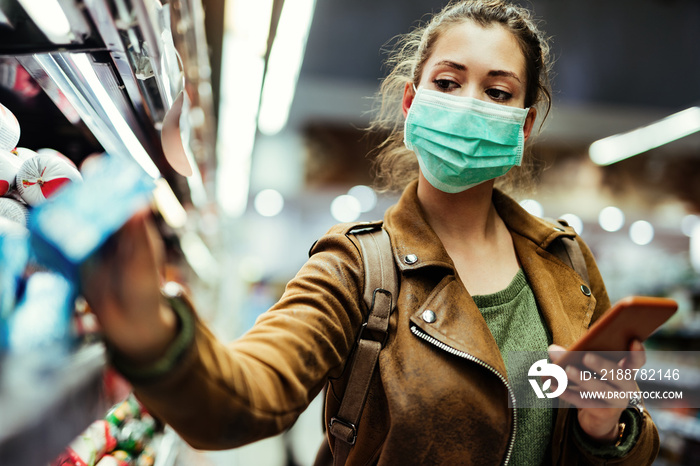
column 574, row 451
column 222, row 396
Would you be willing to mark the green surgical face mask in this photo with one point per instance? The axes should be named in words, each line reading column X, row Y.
column 462, row 142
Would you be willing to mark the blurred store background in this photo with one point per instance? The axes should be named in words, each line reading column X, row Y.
column 277, row 93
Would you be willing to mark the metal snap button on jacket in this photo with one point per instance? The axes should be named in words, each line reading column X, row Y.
column 585, row 290
column 410, row 259
column 429, row 316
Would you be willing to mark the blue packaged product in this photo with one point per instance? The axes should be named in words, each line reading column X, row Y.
column 79, row 219
column 43, row 314
column 14, row 256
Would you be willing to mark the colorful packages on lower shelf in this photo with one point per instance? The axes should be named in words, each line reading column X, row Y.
column 122, row 438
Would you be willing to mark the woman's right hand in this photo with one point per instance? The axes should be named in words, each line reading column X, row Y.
column 121, row 283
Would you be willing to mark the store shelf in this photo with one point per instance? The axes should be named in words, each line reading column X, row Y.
column 119, row 77
column 46, row 401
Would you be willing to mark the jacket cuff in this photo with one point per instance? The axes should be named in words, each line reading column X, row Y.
column 173, row 355
column 632, row 420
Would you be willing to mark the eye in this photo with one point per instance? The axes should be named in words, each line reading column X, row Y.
column 446, row 84
column 499, row 95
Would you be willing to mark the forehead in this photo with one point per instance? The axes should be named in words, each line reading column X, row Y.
column 468, row 43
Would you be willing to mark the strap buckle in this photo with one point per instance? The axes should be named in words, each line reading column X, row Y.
column 377, row 334
column 343, row 430
column 372, row 335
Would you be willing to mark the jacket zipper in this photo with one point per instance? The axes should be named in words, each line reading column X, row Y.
column 420, row 334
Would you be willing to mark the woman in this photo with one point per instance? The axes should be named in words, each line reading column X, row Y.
column 476, row 280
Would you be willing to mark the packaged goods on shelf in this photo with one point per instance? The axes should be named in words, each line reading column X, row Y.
column 79, row 220
column 125, row 411
column 23, row 153
column 14, row 210
column 43, row 175
column 9, row 129
column 122, row 438
column 14, row 255
column 91, row 445
column 50, row 221
column 10, row 163
column 42, row 317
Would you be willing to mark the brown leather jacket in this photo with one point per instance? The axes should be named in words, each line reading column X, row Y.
column 432, row 400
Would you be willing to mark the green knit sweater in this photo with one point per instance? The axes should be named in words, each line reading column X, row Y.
column 517, row 326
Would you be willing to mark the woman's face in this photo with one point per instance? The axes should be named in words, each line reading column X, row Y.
column 484, row 63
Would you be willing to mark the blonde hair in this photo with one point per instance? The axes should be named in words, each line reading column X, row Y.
column 395, row 166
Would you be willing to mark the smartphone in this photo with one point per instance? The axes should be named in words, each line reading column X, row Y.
column 632, row 318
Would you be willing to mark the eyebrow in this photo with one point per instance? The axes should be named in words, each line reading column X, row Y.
column 452, row 64
column 460, row 67
column 508, row 74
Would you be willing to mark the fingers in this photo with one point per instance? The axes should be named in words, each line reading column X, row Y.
column 636, row 357
column 128, row 264
column 556, row 352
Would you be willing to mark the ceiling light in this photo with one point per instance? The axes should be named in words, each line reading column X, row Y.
column 641, row 232
column 345, row 208
column 50, row 18
column 365, row 195
column 284, row 64
column 269, row 203
column 621, row 146
column 611, row 219
column 242, row 69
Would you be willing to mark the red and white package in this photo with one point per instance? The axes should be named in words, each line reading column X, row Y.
column 41, row 176
column 89, row 446
column 54, row 152
column 13, row 210
column 10, row 164
column 9, row 129
column 23, row 153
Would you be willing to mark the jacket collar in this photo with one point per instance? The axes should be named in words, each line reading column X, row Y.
column 416, row 245
column 539, row 231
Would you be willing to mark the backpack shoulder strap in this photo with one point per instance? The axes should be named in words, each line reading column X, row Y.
column 568, row 250
column 380, row 276
column 380, row 294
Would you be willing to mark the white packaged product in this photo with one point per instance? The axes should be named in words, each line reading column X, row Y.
column 23, row 153
column 9, row 129
column 13, row 210
column 10, row 164
column 41, row 176
column 11, row 228
column 46, row 150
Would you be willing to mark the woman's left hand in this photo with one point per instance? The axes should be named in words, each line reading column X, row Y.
column 599, row 418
